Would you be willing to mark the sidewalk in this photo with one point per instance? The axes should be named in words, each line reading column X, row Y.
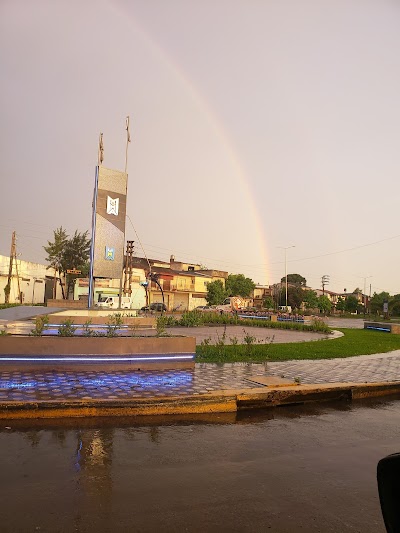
column 207, row 388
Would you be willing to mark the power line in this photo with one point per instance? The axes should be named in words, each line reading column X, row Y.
column 346, row 249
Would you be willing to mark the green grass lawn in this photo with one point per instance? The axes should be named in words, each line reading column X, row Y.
column 354, row 342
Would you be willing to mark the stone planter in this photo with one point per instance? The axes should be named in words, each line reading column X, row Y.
column 133, row 321
column 96, row 353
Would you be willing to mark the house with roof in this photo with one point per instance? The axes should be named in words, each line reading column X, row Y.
column 183, row 285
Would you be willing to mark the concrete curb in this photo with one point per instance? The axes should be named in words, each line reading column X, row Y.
column 226, row 401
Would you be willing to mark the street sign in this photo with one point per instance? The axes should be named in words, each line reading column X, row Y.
column 73, row 271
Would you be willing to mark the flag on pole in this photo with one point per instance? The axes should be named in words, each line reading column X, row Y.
column 127, row 130
column 101, row 149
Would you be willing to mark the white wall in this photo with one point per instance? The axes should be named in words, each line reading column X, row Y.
column 32, row 280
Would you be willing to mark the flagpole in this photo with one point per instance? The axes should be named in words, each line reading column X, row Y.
column 94, row 205
column 128, row 140
column 100, row 155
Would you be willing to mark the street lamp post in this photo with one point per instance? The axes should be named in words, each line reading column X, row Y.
column 364, row 295
column 286, row 248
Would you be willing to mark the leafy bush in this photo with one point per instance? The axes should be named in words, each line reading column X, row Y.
column 41, row 323
column 114, row 322
column 6, row 306
column 67, row 329
column 87, row 330
column 319, row 326
column 192, row 318
column 170, row 321
column 161, row 324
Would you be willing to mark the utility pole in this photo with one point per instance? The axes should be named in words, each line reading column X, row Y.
column 286, row 284
column 10, row 269
column 365, row 295
column 16, row 270
column 128, row 267
column 324, row 281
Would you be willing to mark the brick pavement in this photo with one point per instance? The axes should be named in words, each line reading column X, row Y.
column 361, row 369
column 205, row 378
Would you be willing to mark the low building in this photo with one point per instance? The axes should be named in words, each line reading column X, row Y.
column 30, row 283
column 260, row 292
column 183, row 285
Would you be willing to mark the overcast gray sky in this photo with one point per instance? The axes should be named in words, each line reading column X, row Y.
column 255, row 125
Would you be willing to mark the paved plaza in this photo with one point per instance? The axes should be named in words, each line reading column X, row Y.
column 205, row 378
column 18, row 386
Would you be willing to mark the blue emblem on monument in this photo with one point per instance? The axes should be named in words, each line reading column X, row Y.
column 110, row 252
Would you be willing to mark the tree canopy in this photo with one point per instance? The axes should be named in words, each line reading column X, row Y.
column 310, row 299
column 341, row 304
column 295, row 279
column 216, row 292
column 68, row 253
column 295, row 297
column 324, row 304
column 377, row 301
column 351, row 303
column 55, row 250
column 268, row 302
column 239, row 285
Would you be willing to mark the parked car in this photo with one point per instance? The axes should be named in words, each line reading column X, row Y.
column 113, row 302
column 155, row 306
column 205, row 308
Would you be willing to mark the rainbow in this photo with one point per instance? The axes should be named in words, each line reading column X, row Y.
column 215, row 124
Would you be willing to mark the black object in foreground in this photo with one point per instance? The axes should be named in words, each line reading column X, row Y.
column 388, row 473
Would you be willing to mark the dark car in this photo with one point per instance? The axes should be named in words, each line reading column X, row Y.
column 155, row 306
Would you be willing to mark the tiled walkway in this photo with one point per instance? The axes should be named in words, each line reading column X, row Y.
column 39, row 386
column 363, row 369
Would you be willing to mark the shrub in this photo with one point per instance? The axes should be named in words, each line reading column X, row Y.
column 191, row 318
column 41, row 323
column 87, row 330
column 319, row 325
column 248, row 341
column 67, row 329
column 161, row 324
column 114, row 322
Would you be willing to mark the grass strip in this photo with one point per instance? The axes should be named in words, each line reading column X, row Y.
column 354, row 342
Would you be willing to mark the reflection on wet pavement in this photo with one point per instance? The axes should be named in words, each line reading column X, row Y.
column 31, row 386
column 310, row 468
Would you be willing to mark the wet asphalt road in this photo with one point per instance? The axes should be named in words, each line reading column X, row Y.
column 307, row 468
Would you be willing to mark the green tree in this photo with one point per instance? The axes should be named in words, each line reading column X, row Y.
column 377, row 301
column 295, row 279
column 351, row 303
column 76, row 257
column 295, row 297
column 55, row 254
column 310, row 299
column 268, row 302
column 68, row 253
column 324, row 304
column 341, row 304
column 239, row 285
column 395, row 305
column 216, row 292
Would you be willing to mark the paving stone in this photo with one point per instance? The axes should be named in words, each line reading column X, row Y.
column 31, row 386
